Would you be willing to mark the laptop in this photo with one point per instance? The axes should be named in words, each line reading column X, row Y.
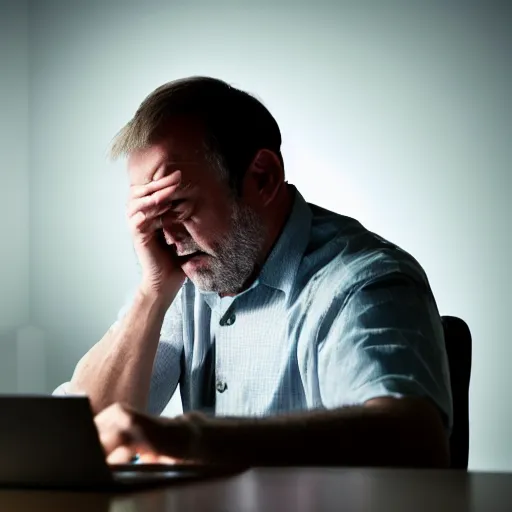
column 52, row 442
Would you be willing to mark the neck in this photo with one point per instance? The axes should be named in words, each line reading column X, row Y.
column 275, row 221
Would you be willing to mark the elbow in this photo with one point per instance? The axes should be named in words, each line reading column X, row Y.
column 411, row 434
column 428, row 451
column 436, row 458
column 439, row 456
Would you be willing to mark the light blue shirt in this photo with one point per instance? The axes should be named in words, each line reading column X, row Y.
column 336, row 317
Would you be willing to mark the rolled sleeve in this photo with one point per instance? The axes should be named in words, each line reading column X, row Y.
column 387, row 340
column 62, row 390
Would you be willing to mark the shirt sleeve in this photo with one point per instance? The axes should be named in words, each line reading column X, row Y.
column 386, row 340
column 62, row 390
column 167, row 364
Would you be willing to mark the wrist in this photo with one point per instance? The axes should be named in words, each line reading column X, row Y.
column 183, row 436
column 153, row 305
column 160, row 299
column 189, row 429
column 195, row 434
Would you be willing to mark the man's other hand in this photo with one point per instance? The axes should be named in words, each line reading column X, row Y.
column 125, row 433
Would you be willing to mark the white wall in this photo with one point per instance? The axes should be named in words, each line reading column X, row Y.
column 14, row 184
column 395, row 113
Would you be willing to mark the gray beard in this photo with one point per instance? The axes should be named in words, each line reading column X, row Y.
column 236, row 256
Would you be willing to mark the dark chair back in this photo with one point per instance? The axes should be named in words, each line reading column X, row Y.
column 459, row 348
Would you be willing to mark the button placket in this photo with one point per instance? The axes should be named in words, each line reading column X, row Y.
column 227, row 319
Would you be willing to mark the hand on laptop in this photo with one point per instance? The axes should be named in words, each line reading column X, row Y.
column 125, row 433
column 147, row 458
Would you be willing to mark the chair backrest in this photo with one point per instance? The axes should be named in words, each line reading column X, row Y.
column 459, row 348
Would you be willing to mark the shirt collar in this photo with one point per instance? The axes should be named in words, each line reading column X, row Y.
column 281, row 267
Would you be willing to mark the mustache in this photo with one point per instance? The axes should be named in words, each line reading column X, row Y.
column 188, row 248
column 187, row 253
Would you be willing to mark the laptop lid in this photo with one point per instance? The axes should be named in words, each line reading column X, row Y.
column 48, row 440
column 52, row 442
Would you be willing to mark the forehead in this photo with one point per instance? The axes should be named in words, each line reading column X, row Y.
column 182, row 149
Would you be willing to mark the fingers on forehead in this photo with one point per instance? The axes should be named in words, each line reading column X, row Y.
column 154, row 186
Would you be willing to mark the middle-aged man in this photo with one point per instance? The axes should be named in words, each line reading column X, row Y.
column 296, row 335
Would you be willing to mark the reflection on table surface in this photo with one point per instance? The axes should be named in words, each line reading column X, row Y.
column 305, row 489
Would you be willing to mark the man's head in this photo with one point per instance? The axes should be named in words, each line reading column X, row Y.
column 227, row 146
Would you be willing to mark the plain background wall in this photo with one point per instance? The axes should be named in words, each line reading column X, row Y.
column 14, row 184
column 396, row 113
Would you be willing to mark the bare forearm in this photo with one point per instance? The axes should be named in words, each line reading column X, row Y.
column 119, row 367
column 355, row 436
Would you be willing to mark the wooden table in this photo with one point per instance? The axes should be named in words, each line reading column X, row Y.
column 294, row 489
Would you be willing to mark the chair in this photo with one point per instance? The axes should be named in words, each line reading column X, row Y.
column 459, row 348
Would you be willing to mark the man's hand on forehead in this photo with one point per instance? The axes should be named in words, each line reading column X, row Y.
column 169, row 168
column 164, row 196
column 150, row 187
column 161, row 171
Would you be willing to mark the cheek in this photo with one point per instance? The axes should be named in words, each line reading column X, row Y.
column 207, row 230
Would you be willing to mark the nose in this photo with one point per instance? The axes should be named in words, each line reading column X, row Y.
column 173, row 232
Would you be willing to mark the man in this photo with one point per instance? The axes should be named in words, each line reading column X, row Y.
column 296, row 335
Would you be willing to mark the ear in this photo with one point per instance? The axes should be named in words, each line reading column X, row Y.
column 266, row 174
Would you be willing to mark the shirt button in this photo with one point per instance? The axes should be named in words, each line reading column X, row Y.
column 230, row 320
column 221, row 386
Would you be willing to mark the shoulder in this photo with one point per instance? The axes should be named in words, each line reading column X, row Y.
column 342, row 256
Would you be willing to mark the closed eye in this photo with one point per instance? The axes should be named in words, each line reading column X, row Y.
column 181, row 209
column 177, row 203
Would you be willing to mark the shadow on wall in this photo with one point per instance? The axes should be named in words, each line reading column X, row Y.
column 8, row 370
column 22, row 360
